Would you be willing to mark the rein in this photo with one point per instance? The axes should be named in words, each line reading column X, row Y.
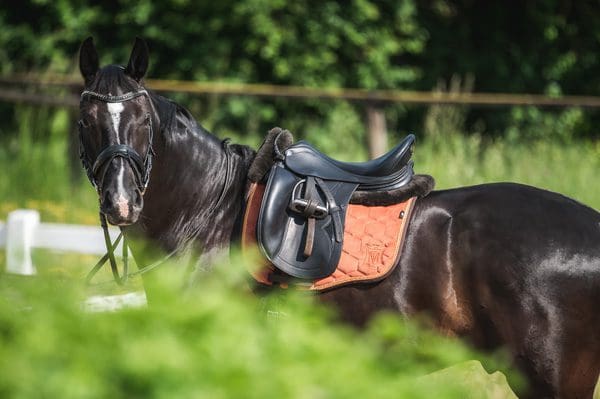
column 110, row 255
column 120, row 279
column 228, row 174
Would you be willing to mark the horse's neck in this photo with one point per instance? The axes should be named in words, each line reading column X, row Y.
column 196, row 190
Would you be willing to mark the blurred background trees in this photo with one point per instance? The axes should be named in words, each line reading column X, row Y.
column 544, row 47
column 539, row 47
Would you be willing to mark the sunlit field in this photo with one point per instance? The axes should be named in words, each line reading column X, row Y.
column 570, row 169
column 37, row 178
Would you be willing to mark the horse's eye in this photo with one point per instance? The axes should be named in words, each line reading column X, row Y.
column 84, row 124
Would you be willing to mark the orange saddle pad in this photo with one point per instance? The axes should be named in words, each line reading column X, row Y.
column 373, row 239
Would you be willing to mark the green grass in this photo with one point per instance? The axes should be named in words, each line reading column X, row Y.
column 35, row 170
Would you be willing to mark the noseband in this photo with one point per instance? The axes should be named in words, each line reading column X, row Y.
column 141, row 166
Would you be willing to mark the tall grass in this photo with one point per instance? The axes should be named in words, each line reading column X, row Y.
column 457, row 160
column 35, row 166
column 35, row 169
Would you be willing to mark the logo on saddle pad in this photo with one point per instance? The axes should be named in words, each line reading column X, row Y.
column 373, row 255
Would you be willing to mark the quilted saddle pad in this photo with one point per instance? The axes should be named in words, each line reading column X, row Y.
column 373, row 239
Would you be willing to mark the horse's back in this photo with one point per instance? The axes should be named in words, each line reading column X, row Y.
column 517, row 205
column 513, row 265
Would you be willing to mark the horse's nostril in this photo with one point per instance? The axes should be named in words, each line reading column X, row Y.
column 138, row 198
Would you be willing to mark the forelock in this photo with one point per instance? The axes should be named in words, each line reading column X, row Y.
column 112, row 80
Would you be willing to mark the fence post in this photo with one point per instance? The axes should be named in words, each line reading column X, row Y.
column 72, row 155
column 376, row 131
column 20, row 233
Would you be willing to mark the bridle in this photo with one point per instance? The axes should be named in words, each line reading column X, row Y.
column 141, row 166
column 96, row 172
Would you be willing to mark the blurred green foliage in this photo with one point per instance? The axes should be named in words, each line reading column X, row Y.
column 217, row 342
column 318, row 43
column 36, row 169
column 548, row 47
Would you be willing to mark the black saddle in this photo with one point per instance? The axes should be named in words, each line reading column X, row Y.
column 301, row 221
column 387, row 172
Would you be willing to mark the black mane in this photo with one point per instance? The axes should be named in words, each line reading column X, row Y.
column 176, row 119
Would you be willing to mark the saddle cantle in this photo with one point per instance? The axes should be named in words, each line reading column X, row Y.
column 300, row 226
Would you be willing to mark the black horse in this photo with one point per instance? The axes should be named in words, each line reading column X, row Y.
column 502, row 264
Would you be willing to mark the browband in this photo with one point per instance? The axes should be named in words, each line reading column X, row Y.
column 114, row 99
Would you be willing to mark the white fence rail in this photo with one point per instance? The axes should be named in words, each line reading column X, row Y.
column 23, row 232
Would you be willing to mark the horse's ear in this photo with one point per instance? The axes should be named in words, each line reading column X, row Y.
column 88, row 60
column 138, row 60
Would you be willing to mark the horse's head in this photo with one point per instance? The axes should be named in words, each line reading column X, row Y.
column 115, row 131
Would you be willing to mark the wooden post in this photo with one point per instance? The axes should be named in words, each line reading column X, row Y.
column 20, row 234
column 73, row 135
column 376, row 131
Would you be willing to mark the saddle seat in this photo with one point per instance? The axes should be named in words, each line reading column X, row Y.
column 387, row 172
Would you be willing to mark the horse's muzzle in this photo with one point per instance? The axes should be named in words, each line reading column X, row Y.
column 121, row 209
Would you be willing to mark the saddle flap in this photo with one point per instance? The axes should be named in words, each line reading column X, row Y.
column 304, row 245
